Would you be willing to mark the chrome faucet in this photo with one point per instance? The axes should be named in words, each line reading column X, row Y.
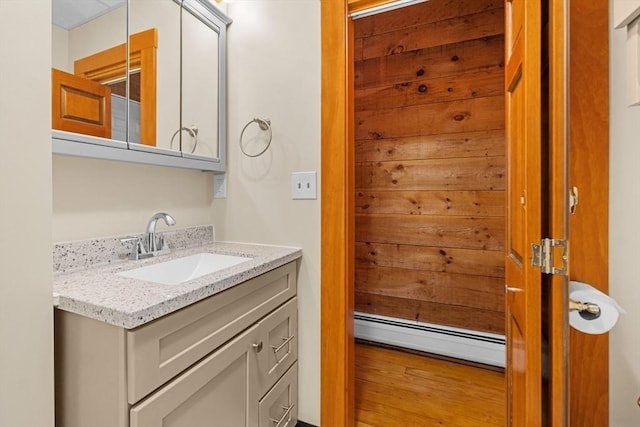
column 151, row 243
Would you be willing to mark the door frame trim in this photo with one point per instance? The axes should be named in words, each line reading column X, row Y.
column 337, row 194
column 337, row 393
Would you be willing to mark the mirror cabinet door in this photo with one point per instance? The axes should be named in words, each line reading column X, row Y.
column 89, row 68
column 199, row 86
column 155, row 76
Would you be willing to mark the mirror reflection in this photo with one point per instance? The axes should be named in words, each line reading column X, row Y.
column 164, row 99
column 160, row 72
column 199, row 76
column 82, row 102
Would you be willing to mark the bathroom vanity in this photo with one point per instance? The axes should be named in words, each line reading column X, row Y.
column 217, row 350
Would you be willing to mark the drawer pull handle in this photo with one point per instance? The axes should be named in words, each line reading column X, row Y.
column 281, row 346
column 257, row 347
column 287, row 410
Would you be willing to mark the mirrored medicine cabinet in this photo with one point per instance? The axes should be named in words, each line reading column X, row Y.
column 140, row 81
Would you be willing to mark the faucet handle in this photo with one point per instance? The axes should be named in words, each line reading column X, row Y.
column 162, row 243
column 137, row 249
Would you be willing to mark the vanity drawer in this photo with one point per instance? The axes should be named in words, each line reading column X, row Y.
column 160, row 350
column 279, row 407
column 279, row 342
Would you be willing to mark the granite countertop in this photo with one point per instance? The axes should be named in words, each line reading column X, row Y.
column 98, row 293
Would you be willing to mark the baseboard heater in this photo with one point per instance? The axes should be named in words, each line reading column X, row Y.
column 465, row 344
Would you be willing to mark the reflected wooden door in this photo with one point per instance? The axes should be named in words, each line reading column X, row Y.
column 110, row 65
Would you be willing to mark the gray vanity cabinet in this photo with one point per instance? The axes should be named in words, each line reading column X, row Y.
column 229, row 360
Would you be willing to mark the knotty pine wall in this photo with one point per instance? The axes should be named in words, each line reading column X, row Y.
column 430, row 163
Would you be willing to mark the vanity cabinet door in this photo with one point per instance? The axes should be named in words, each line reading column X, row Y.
column 217, row 391
column 279, row 407
column 278, row 333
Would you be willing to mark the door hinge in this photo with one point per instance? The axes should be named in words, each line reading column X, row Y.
column 543, row 256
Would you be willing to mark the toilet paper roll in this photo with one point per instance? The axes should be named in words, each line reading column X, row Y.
column 609, row 309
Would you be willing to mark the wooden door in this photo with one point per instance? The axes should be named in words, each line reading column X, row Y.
column 588, row 227
column 549, row 379
column 524, row 212
column 555, row 288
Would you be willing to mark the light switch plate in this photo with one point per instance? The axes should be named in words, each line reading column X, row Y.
column 304, row 185
column 220, row 186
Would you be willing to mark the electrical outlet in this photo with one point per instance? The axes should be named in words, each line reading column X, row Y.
column 220, row 186
column 303, row 185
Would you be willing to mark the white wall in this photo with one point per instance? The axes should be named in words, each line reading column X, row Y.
column 624, row 237
column 26, row 322
column 100, row 198
column 274, row 72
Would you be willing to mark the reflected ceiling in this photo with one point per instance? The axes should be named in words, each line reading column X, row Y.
column 70, row 14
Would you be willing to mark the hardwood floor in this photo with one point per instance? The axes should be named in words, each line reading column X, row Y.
column 395, row 388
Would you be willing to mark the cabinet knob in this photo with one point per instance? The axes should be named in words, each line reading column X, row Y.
column 257, row 347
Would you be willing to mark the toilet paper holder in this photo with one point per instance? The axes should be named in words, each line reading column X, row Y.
column 587, row 310
column 590, row 310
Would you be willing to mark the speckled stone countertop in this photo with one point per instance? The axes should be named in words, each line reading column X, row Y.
column 97, row 292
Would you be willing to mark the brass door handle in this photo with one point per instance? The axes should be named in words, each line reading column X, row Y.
column 257, row 347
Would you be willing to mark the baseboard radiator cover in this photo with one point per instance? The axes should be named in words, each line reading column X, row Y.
column 465, row 344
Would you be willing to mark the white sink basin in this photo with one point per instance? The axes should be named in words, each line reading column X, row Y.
column 182, row 269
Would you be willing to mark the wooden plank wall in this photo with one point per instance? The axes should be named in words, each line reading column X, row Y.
column 430, row 163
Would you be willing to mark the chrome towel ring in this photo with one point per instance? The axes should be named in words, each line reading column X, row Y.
column 265, row 125
column 193, row 133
